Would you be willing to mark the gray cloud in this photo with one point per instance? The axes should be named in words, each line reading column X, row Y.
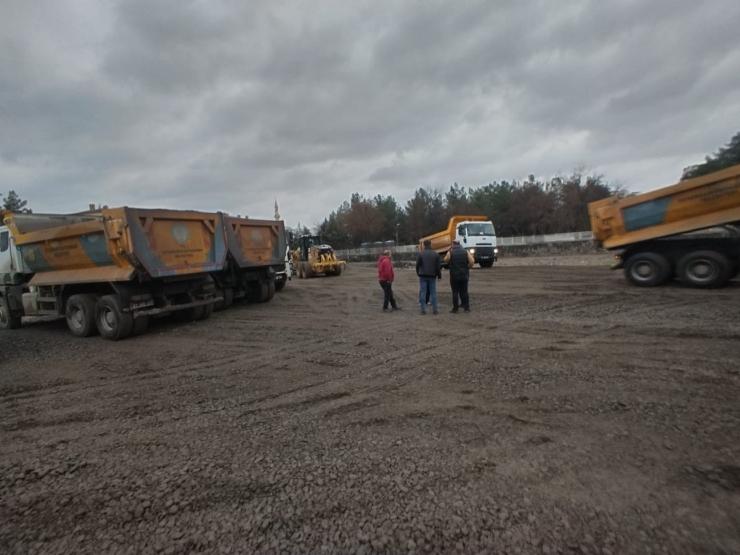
column 229, row 105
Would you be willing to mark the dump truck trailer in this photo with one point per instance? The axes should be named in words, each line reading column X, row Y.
column 110, row 270
column 688, row 231
column 254, row 262
column 476, row 235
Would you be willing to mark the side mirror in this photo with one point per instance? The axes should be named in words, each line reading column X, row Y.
column 465, row 239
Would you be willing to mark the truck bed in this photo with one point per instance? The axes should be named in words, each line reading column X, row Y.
column 117, row 244
column 695, row 204
column 255, row 243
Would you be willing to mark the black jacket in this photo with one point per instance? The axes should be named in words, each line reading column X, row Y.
column 428, row 264
column 459, row 263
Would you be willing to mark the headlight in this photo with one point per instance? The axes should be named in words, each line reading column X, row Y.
column 472, row 251
column 495, row 250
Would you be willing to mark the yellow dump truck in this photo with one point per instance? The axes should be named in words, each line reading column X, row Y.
column 255, row 266
column 687, row 230
column 109, row 270
column 476, row 235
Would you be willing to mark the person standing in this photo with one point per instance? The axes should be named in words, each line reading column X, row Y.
column 385, row 277
column 428, row 267
column 460, row 261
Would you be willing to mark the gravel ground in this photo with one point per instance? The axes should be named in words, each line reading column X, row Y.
column 569, row 413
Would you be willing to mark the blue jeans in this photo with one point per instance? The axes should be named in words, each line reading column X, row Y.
column 427, row 284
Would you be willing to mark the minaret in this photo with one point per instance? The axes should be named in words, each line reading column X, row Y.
column 277, row 212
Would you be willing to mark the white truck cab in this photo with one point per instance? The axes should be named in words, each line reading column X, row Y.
column 11, row 289
column 479, row 239
column 284, row 276
column 7, row 256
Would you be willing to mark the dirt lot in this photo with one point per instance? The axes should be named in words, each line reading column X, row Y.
column 569, row 413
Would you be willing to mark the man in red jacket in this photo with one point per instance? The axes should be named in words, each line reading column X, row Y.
column 385, row 277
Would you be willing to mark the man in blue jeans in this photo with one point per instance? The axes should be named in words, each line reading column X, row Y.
column 429, row 269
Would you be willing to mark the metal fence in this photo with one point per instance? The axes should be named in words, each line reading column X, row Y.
column 500, row 241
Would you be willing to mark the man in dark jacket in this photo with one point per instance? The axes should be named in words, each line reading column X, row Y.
column 385, row 277
column 460, row 261
column 428, row 267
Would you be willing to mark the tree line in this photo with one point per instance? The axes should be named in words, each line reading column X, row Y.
column 725, row 157
column 529, row 207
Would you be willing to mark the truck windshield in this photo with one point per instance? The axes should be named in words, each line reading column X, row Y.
column 481, row 229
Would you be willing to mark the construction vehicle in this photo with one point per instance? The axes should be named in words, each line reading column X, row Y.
column 312, row 258
column 687, row 230
column 476, row 235
column 284, row 275
column 254, row 259
column 108, row 271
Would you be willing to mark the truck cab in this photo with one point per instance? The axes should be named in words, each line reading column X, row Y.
column 11, row 282
column 479, row 239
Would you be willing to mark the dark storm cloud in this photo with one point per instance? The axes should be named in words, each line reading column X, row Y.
column 228, row 105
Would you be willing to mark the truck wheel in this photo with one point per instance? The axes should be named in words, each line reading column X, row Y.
column 219, row 305
column 307, row 270
column 486, row 264
column 267, row 292
column 80, row 313
column 280, row 285
column 207, row 311
column 8, row 322
column 704, row 269
column 647, row 269
column 228, row 297
column 113, row 323
column 337, row 271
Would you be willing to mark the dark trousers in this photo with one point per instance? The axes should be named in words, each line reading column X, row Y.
column 388, row 294
column 460, row 293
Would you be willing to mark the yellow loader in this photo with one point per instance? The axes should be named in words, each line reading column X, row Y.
column 313, row 258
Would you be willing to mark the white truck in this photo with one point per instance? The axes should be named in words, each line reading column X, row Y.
column 476, row 235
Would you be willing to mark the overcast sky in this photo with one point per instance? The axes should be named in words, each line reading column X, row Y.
column 227, row 105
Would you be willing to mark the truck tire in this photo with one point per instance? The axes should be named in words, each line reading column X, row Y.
column 704, row 269
column 280, row 285
column 228, row 297
column 268, row 292
column 486, row 264
column 337, row 271
column 8, row 322
column 207, row 311
column 219, row 305
column 647, row 269
column 80, row 313
column 113, row 323
column 307, row 270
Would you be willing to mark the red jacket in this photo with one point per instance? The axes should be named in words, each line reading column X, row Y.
column 385, row 269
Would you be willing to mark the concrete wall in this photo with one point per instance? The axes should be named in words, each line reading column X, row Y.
column 540, row 249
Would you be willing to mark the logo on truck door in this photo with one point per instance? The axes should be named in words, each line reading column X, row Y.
column 180, row 233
